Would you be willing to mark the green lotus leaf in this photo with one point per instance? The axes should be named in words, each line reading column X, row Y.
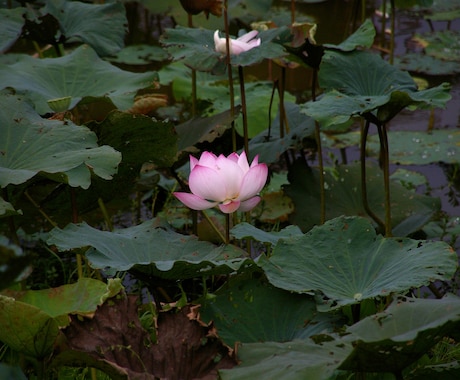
column 59, row 149
column 294, row 360
column 102, row 26
column 150, row 249
column 31, row 322
column 270, row 146
column 443, row 10
column 395, row 338
column 362, row 37
column 361, row 83
column 26, row 328
column 249, row 311
column 7, row 209
column 425, row 64
column 344, row 262
column 410, row 212
column 195, row 47
column 245, row 230
column 443, row 44
column 139, row 55
column 78, row 74
column 82, row 298
column 13, row 262
column 11, row 373
column 11, row 22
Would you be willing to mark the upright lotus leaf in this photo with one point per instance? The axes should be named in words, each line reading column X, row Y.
column 82, row 298
column 410, row 212
column 78, row 74
column 31, row 145
column 150, row 249
column 11, row 22
column 196, row 48
column 13, row 262
column 102, row 26
column 362, row 37
column 201, row 129
column 251, row 311
column 27, row 329
column 361, row 83
column 344, row 262
column 395, row 338
column 270, row 146
column 294, row 360
column 139, row 138
column 32, row 325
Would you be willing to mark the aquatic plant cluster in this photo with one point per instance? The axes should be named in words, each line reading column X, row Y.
column 211, row 190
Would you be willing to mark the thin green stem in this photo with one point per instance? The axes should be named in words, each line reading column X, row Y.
column 213, row 225
column 230, row 75
column 320, row 153
column 385, row 156
column 107, row 218
column 364, row 133
column 392, row 36
column 244, row 110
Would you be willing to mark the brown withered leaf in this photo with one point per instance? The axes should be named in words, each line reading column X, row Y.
column 115, row 342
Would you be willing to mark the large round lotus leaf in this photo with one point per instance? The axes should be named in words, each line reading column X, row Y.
column 362, row 37
column 60, row 149
column 391, row 340
column 26, row 328
column 295, row 360
column 251, row 311
column 150, row 249
column 345, row 262
column 361, row 82
column 78, row 74
column 11, row 22
column 195, row 46
column 103, row 26
column 409, row 211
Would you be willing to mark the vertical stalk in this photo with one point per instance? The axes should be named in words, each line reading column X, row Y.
column 385, row 156
column 392, row 37
column 230, row 76
column 364, row 133
column 292, row 11
column 244, row 110
column 190, row 25
column 320, row 152
column 73, row 201
column 227, row 228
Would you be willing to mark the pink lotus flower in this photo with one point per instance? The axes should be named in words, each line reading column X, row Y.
column 244, row 43
column 225, row 181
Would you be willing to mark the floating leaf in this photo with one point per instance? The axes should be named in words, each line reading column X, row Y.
column 63, row 150
column 51, row 78
column 150, row 249
column 345, row 262
column 426, row 65
column 249, row 311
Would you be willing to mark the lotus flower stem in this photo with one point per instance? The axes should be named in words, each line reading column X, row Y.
column 385, row 161
column 244, row 109
column 320, row 152
column 364, row 133
column 73, row 201
column 230, row 76
column 226, row 238
column 392, row 36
